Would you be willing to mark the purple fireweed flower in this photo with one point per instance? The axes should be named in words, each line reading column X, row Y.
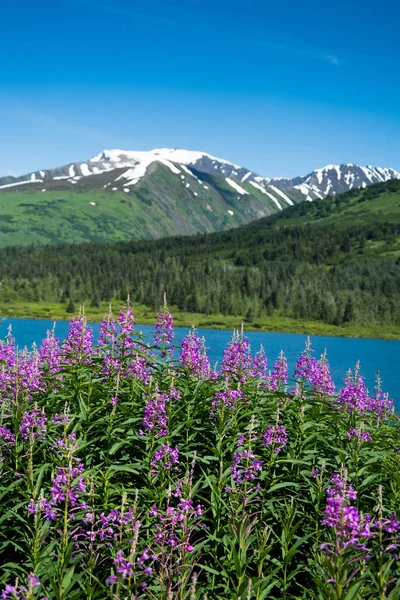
column 279, row 374
column 61, row 419
column 165, row 458
column 8, row 360
column 145, row 556
column 306, row 363
column 50, row 353
column 68, row 485
column 386, row 530
column 353, row 395
column 77, row 346
column 321, row 380
column 351, row 528
column 155, row 414
column 111, row 365
column 380, row 404
column 66, row 445
column 276, row 437
column 33, row 424
column 126, row 569
column 6, row 436
column 362, row 436
column 21, row 592
column 174, row 526
column 20, row 374
column 123, row 567
column 10, row 591
column 106, row 528
column 193, row 357
column 228, row 398
column 108, row 331
column 33, row 581
column 245, row 466
column 341, row 487
column 33, row 507
column 138, row 369
column 47, row 508
column 236, row 361
column 391, row 525
column 259, row 365
column 316, row 372
column 126, row 322
column 314, row 473
column 164, row 331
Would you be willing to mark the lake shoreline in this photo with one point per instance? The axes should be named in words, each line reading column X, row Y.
column 145, row 316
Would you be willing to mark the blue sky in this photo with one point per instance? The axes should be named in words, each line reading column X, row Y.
column 280, row 87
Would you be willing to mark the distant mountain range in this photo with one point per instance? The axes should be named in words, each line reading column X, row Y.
column 128, row 195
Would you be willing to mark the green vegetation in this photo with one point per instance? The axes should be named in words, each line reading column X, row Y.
column 128, row 475
column 331, row 267
column 159, row 205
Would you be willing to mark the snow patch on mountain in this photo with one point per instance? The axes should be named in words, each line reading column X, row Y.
column 188, row 171
column 176, row 155
column 275, row 201
column 305, row 190
column 258, row 187
column 280, row 193
column 85, row 170
column 236, row 186
column 9, row 185
column 170, row 165
column 135, row 173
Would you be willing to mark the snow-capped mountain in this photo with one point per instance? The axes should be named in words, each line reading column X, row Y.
column 329, row 180
column 337, row 179
column 120, row 194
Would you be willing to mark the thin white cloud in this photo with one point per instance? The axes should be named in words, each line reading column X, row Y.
column 295, row 47
column 285, row 44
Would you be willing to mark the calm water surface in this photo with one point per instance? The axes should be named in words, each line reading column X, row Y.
column 343, row 353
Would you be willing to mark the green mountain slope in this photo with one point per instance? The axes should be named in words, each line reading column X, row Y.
column 160, row 204
column 377, row 202
column 357, row 223
column 336, row 261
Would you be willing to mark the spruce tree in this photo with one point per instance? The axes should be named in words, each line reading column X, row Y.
column 70, row 307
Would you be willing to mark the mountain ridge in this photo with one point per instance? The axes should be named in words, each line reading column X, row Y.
column 109, row 160
column 128, row 195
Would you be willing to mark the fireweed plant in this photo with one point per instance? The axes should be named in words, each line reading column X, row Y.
column 134, row 471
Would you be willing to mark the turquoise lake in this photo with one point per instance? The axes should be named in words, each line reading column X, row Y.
column 343, row 353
